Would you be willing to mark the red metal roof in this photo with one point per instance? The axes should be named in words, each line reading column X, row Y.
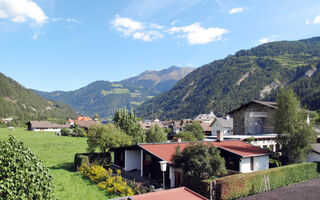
column 165, row 151
column 181, row 193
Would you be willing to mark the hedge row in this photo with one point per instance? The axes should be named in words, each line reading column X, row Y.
column 103, row 159
column 242, row 185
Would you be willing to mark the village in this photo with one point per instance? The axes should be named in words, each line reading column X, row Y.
column 245, row 138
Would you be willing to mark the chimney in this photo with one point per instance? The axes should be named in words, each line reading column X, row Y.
column 227, row 117
column 219, row 136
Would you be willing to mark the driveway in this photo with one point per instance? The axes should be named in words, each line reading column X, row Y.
column 306, row 190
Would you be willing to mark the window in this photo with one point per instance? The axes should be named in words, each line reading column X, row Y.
column 265, row 146
column 251, row 163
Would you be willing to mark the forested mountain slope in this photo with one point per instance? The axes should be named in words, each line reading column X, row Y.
column 17, row 101
column 251, row 74
column 104, row 97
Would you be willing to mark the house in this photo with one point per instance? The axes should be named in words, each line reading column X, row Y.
column 45, row 126
column 254, row 121
column 146, row 124
column 223, row 125
column 206, row 128
column 314, row 155
column 239, row 156
column 179, row 125
column 205, row 117
column 83, row 118
column 254, row 118
column 181, row 193
column 85, row 124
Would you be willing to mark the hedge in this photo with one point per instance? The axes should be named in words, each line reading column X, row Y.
column 103, row 159
column 242, row 185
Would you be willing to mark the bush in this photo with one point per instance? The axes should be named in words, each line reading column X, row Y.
column 22, row 175
column 103, row 158
column 241, row 185
column 113, row 184
column 65, row 131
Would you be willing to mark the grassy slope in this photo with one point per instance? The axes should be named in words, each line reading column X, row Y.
column 57, row 153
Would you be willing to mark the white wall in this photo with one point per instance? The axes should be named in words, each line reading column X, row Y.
column 49, row 129
column 217, row 127
column 312, row 157
column 259, row 163
column 132, row 160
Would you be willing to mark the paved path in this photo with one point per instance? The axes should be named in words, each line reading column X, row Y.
column 308, row 190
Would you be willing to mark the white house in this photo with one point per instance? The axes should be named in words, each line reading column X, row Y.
column 223, row 125
column 239, row 156
column 45, row 126
column 314, row 155
column 205, row 117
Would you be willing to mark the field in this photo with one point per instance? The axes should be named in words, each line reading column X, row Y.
column 57, row 153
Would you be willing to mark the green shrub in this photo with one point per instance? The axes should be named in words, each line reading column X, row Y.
column 241, row 185
column 65, row 131
column 103, row 158
column 22, row 175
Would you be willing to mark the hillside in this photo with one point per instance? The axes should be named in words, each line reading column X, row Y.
column 104, row 97
column 17, row 101
column 251, row 74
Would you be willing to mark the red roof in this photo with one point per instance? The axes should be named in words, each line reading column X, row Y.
column 165, row 151
column 83, row 118
column 181, row 193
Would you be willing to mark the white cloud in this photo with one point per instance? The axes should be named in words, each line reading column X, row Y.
column 73, row 20
column 147, row 35
column 137, row 30
column 21, row 10
column 236, row 10
column 196, row 34
column 307, row 22
column 156, row 26
column 174, row 22
column 126, row 26
column 316, row 20
column 267, row 39
column 57, row 19
column 37, row 34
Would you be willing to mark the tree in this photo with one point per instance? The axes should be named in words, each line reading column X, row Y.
column 156, row 134
column 294, row 134
column 105, row 137
column 199, row 159
column 22, row 175
column 128, row 122
column 196, row 129
column 186, row 136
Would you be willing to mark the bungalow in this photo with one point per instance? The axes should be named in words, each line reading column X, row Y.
column 239, row 156
column 45, row 126
column 85, row 124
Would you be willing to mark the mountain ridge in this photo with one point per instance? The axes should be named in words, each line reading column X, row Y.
column 227, row 83
column 105, row 97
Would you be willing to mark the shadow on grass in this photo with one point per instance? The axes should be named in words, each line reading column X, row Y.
column 65, row 166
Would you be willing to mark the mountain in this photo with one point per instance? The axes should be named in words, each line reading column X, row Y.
column 17, row 101
column 161, row 81
column 104, row 97
column 251, row 74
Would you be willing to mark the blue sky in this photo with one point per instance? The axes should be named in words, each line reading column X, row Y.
column 66, row 44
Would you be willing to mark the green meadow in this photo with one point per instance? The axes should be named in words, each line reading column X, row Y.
column 57, row 153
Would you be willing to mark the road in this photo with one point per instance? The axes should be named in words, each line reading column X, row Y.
column 307, row 190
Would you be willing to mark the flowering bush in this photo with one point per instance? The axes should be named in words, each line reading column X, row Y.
column 113, row 184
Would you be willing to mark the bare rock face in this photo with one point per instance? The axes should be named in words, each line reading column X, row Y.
column 268, row 88
column 310, row 72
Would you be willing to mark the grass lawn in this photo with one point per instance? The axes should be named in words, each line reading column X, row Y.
column 57, row 153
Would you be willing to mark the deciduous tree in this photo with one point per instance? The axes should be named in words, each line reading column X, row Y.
column 156, row 134
column 294, row 134
column 200, row 159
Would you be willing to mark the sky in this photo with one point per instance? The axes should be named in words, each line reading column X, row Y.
column 53, row 45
